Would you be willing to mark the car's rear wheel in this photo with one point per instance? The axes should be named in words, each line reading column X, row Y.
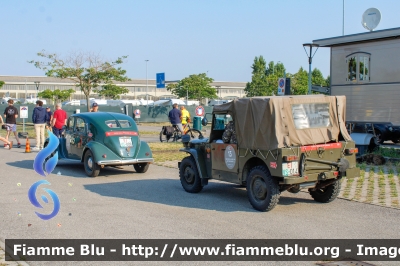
column 92, row 169
column 262, row 189
column 141, row 167
column 189, row 175
column 164, row 138
column 326, row 194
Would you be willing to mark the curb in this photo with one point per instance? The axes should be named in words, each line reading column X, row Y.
column 8, row 250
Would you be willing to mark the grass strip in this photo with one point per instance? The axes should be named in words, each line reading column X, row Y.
column 370, row 187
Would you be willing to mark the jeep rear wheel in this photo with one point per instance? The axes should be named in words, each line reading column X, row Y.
column 262, row 189
column 189, row 175
column 326, row 194
column 141, row 167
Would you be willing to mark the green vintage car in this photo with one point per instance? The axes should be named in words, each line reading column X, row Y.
column 104, row 139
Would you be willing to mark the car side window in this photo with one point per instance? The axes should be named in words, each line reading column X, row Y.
column 80, row 125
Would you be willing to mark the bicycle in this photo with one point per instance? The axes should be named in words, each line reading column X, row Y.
column 176, row 134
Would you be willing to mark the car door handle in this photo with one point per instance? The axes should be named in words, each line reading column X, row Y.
column 213, row 149
column 223, row 149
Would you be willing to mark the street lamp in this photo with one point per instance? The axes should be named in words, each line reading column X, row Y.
column 310, row 57
column 37, row 89
column 147, row 94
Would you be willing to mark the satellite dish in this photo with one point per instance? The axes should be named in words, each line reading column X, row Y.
column 371, row 18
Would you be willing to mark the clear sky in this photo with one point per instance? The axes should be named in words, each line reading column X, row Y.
column 181, row 37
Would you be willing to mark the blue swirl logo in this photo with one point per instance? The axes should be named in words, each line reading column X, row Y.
column 35, row 202
column 44, row 163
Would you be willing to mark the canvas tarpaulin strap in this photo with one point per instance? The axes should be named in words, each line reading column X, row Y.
column 267, row 123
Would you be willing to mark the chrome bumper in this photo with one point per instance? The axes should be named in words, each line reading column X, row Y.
column 125, row 162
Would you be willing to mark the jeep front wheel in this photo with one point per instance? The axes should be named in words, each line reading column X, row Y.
column 326, row 194
column 189, row 175
column 262, row 189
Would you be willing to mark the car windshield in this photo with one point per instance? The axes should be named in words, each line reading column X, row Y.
column 311, row 115
column 119, row 124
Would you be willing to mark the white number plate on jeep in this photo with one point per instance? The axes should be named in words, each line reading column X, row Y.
column 125, row 142
column 289, row 169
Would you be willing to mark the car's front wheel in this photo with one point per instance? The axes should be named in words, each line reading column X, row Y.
column 92, row 169
column 262, row 189
column 141, row 167
column 189, row 175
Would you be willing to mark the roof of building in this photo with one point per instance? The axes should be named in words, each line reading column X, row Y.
column 359, row 37
column 132, row 82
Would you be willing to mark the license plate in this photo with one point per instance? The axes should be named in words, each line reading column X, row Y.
column 125, row 142
column 289, row 169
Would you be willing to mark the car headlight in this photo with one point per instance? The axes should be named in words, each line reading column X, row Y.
column 390, row 128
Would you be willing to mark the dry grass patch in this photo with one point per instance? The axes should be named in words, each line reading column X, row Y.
column 167, row 151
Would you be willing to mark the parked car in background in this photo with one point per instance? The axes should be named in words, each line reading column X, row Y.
column 383, row 131
column 101, row 139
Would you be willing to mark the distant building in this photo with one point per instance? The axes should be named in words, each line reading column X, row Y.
column 21, row 87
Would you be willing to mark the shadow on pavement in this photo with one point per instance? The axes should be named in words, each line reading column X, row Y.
column 215, row 196
column 26, row 164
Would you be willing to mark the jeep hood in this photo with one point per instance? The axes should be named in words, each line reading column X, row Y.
column 268, row 123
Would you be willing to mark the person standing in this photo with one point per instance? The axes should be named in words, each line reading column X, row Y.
column 185, row 116
column 9, row 143
column 59, row 120
column 175, row 117
column 95, row 107
column 39, row 121
column 11, row 114
column 49, row 116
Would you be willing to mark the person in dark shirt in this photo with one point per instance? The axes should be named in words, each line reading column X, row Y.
column 39, row 116
column 175, row 117
column 49, row 116
column 11, row 114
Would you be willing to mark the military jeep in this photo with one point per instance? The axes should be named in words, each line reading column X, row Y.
column 274, row 144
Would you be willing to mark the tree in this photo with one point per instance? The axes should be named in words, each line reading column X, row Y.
column 56, row 95
column 112, row 91
column 259, row 84
column 87, row 70
column 1, row 84
column 317, row 78
column 197, row 87
column 264, row 81
column 299, row 82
